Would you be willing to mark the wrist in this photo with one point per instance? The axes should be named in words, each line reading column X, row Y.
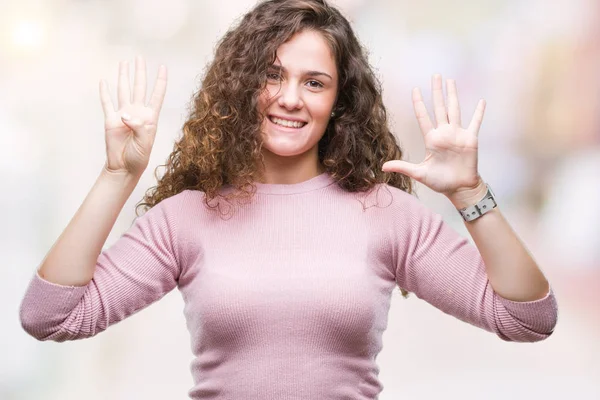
column 465, row 197
column 119, row 178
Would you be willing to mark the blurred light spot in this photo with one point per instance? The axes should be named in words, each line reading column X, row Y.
column 27, row 35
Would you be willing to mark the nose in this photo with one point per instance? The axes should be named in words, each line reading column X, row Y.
column 290, row 97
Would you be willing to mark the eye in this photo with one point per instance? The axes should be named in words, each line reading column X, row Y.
column 315, row 84
column 273, row 76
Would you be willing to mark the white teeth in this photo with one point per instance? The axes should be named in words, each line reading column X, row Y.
column 286, row 123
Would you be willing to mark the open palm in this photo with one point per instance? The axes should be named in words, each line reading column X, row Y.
column 131, row 129
column 450, row 162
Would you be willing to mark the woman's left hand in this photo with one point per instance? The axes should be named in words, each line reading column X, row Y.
column 450, row 164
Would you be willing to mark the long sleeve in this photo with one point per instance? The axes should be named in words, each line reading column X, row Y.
column 446, row 270
column 137, row 270
column 298, row 280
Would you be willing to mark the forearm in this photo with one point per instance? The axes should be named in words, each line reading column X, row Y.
column 511, row 269
column 72, row 259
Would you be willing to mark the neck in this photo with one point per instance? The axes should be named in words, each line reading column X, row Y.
column 289, row 170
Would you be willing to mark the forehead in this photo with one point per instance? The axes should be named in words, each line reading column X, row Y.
column 307, row 50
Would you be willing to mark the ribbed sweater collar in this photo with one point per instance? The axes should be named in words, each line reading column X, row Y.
column 318, row 182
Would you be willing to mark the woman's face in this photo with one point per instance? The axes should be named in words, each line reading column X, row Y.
column 299, row 97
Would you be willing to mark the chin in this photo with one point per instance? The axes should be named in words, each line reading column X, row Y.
column 285, row 151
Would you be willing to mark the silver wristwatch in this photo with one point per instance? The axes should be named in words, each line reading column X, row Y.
column 477, row 210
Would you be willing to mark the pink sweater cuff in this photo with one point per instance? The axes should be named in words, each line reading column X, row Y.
column 538, row 315
column 46, row 303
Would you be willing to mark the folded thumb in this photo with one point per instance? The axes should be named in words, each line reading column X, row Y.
column 131, row 123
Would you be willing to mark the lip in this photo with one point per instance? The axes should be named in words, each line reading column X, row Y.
column 287, row 118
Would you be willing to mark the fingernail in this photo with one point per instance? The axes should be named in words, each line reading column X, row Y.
column 125, row 116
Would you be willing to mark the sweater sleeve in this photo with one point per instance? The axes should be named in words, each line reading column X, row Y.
column 137, row 270
column 443, row 268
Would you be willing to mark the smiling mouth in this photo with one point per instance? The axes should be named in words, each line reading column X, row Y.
column 286, row 123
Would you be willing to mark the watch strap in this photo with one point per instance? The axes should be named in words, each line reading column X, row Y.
column 483, row 206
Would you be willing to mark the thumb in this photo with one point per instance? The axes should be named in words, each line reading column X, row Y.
column 403, row 167
column 132, row 123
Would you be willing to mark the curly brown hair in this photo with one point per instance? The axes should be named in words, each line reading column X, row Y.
column 221, row 143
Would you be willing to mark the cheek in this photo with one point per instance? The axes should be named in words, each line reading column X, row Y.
column 263, row 102
column 265, row 99
column 321, row 108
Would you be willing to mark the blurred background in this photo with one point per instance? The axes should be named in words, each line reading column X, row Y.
column 537, row 63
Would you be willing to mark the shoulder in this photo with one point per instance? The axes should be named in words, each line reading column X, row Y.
column 400, row 210
column 171, row 210
column 192, row 206
column 177, row 216
column 393, row 199
column 181, row 202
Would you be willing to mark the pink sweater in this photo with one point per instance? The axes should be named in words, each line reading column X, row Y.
column 289, row 298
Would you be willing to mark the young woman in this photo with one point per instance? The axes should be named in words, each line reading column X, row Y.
column 285, row 218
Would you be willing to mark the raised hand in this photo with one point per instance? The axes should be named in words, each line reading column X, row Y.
column 450, row 164
column 130, row 130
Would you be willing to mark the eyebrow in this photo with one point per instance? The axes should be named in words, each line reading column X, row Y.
column 309, row 73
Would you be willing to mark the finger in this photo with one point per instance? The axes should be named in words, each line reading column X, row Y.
column 107, row 105
column 421, row 111
column 123, row 91
column 134, row 124
column 453, row 105
column 477, row 118
column 139, row 81
column 409, row 169
column 439, row 108
column 160, row 87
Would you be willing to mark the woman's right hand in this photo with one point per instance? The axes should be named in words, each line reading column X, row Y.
column 130, row 130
